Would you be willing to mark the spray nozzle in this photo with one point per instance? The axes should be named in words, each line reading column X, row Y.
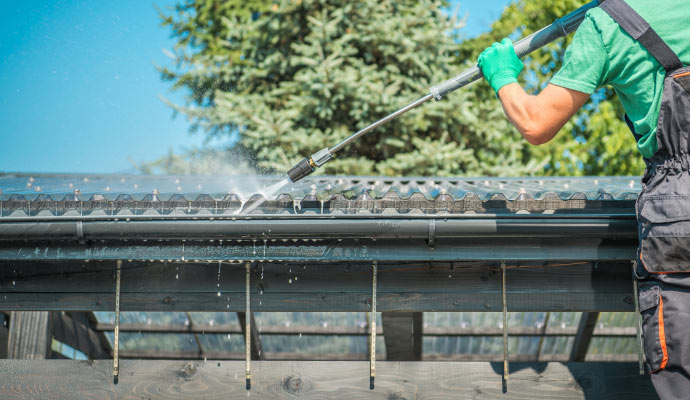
column 300, row 170
column 309, row 165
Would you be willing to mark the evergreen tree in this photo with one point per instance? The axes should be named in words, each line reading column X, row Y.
column 303, row 75
column 296, row 76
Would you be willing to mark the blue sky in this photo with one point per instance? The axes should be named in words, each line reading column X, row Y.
column 79, row 91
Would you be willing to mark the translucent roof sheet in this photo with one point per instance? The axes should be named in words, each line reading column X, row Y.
column 116, row 195
column 292, row 344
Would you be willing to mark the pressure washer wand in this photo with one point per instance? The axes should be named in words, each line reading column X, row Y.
column 561, row 27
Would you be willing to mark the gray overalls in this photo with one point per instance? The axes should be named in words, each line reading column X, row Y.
column 663, row 213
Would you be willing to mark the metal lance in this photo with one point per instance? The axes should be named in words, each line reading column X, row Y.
column 561, row 27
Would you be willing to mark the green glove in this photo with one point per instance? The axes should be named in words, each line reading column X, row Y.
column 499, row 64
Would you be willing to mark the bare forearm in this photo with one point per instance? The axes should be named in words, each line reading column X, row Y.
column 522, row 110
column 538, row 118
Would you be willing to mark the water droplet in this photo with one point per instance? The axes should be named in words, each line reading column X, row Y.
column 13, row 283
column 177, row 276
column 300, row 334
column 290, row 281
column 218, row 294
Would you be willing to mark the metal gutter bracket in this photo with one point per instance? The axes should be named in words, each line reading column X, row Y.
column 505, row 330
column 80, row 233
column 431, row 242
column 247, row 328
column 116, row 341
column 372, row 347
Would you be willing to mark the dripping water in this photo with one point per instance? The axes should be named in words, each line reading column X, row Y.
column 220, row 263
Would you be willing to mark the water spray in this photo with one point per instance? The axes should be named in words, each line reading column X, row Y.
column 561, row 27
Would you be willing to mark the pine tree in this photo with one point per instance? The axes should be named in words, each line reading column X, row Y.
column 303, row 75
column 296, row 76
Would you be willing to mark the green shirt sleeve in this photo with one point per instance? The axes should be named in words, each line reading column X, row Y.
column 585, row 62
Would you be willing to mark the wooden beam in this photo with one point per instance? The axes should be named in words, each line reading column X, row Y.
column 585, row 329
column 73, row 330
column 305, row 356
column 318, row 330
column 155, row 286
column 68, row 379
column 92, row 322
column 29, row 335
column 402, row 333
column 256, row 352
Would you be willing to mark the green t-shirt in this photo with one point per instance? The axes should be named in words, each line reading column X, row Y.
column 603, row 54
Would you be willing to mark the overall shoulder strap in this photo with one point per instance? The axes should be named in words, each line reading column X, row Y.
column 632, row 23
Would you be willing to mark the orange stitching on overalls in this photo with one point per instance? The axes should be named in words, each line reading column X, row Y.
column 679, row 75
column 662, row 336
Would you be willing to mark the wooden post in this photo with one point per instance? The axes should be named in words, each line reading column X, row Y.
column 402, row 333
column 29, row 335
column 4, row 333
column 74, row 330
column 585, row 329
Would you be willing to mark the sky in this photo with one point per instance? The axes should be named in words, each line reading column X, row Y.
column 79, row 91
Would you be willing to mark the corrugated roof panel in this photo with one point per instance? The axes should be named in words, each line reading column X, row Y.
column 133, row 195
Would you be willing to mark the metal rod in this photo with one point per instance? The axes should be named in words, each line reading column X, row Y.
column 247, row 328
column 505, row 329
column 372, row 346
column 380, row 122
column 116, row 344
column 638, row 324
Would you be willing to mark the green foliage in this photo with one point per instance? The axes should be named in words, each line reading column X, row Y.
column 297, row 76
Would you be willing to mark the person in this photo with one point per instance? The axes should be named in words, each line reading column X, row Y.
column 641, row 48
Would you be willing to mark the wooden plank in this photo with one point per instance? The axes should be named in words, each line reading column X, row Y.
column 29, row 335
column 75, row 333
column 67, row 379
column 402, row 333
column 154, row 286
column 319, row 330
column 257, row 353
column 585, row 329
